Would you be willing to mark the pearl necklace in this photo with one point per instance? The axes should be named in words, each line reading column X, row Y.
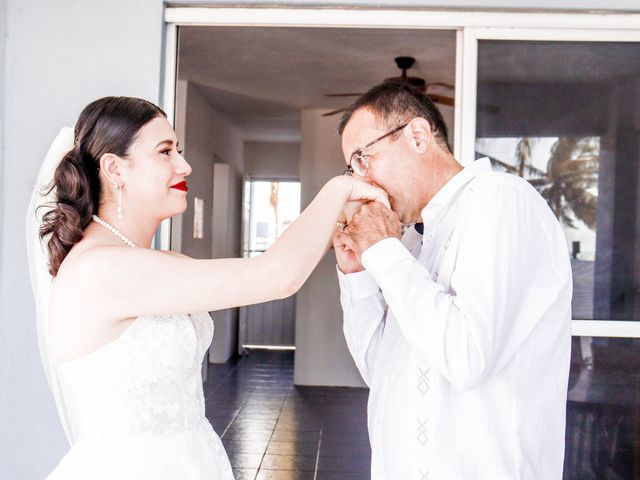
column 113, row 230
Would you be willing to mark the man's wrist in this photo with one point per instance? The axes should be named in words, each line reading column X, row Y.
column 357, row 285
column 349, row 271
column 383, row 253
column 369, row 244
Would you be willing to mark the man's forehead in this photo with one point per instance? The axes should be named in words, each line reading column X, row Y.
column 362, row 125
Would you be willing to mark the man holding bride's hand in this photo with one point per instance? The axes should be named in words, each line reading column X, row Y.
column 461, row 325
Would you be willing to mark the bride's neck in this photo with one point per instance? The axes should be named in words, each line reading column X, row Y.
column 139, row 231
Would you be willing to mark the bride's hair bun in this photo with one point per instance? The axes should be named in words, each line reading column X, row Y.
column 107, row 125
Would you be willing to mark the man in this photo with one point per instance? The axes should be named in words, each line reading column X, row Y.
column 461, row 328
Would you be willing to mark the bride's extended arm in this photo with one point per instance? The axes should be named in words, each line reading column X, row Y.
column 299, row 249
column 141, row 281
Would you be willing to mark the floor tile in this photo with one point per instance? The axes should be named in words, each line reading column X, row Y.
column 264, row 474
column 245, row 460
column 289, row 462
column 342, row 476
column 239, row 446
column 271, row 428
column 245, row 473
column 344, row 464
column 292, row 448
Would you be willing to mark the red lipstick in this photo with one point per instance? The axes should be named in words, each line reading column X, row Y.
column 181, row 186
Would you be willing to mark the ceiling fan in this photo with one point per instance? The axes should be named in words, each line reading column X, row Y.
column 404, row 64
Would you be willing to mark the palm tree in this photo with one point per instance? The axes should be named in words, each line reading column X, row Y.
column 523, row 167
column 570, row 184
column 523, row 154
column 274, row 200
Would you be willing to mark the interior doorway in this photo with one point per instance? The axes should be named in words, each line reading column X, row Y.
column 267, row 101
column 269, row 207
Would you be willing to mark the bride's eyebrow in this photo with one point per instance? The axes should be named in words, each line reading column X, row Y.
column 168, row 143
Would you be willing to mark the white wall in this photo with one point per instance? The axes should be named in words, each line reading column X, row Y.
column 322, row 357
column 275, row 160
column 208, row 138
column 4, row 338
column 60, row 55
column 3, row 72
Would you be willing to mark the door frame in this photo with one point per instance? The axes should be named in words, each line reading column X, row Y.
column 470, row 28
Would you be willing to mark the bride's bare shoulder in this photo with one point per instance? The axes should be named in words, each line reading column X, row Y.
column 90, row 254
column 174, row 254
column 75, row 270
column 75, row 289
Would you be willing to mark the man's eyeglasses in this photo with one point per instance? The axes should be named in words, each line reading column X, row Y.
column 358, row 164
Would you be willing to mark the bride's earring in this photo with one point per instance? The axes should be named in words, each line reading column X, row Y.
column 119, row 209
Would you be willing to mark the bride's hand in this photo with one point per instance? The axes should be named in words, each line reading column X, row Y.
column 357, row 192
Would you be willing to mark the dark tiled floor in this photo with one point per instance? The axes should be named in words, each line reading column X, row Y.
column 275, row 430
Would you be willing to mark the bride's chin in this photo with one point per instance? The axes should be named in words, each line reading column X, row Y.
column 175, row 211
column 182, row 209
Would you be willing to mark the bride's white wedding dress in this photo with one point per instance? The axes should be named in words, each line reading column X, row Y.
column 136, row 406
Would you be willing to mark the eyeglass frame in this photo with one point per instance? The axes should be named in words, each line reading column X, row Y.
column 360, row 151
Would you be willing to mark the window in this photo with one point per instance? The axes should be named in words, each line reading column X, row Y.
column 269, row 208
column 565, row 116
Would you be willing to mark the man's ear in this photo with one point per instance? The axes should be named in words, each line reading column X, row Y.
column 110, row 168
column 420, row 134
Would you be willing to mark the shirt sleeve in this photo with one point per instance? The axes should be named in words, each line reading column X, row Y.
column 511, row 268
column 364, row 311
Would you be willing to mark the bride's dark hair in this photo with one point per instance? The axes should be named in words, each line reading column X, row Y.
column 107, row 125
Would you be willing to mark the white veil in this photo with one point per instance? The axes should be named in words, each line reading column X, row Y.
column 38, row 255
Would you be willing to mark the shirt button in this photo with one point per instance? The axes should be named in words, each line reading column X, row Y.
column 430, row 236
column 378, row 422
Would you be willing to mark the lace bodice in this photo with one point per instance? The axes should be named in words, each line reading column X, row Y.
column 147, row 381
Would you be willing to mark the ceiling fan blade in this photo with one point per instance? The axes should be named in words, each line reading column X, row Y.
column 342, row 94
column 328, row 114
column 441, row 84
column 441, row 99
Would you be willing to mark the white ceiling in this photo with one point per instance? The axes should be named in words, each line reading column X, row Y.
column 260, row 78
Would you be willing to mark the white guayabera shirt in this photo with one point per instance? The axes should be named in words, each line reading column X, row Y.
column 463, row 336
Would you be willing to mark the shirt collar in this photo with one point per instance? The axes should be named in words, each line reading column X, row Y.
column 460, row 179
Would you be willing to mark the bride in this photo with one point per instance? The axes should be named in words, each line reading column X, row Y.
column 122, row 349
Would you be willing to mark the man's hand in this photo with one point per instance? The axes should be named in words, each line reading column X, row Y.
column 374, row 222
column 348, row 260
